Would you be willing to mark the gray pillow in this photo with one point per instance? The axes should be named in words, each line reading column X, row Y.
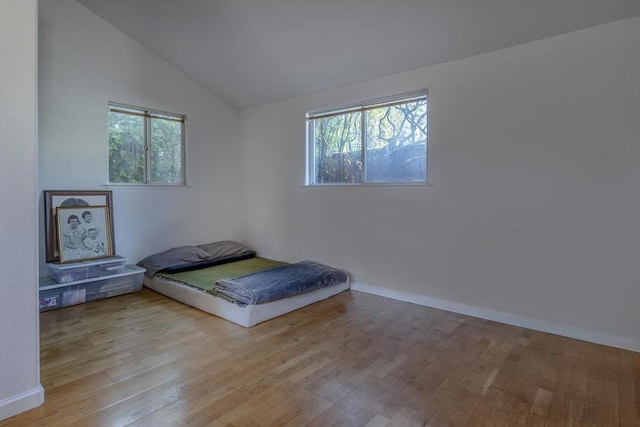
column 224, row 249
column 171, row 258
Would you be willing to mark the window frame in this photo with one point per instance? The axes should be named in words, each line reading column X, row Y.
column 363, row 107
column 148, row 114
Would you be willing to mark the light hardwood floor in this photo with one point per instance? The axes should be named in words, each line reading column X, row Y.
column 352, row 360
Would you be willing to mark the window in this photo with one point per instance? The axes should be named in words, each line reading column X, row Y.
column 146, row 146
column 382, row 141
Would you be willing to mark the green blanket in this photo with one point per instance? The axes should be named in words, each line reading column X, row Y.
column 206, row 278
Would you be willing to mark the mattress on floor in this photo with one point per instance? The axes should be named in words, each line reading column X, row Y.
column 196, row 288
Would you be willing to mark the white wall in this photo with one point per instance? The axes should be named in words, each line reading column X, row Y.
column 19, row 355
column 84, row 63
column 533, row 214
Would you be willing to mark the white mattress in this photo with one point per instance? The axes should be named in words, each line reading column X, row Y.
column 248, row 315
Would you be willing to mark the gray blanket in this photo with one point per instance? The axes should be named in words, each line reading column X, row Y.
column 280, row 282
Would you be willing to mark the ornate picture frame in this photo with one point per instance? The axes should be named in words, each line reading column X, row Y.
column 68, row 198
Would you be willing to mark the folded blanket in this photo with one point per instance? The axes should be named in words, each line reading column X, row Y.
column 280, row 282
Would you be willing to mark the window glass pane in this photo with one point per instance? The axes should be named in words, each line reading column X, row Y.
column 166, row 151
column 337, row 147
column 126, row 148
column 396, row 143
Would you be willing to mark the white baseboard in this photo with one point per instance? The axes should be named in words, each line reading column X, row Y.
column 502, row 317
column 17, row 404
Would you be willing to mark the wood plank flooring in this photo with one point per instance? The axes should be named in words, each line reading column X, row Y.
column 352, row 360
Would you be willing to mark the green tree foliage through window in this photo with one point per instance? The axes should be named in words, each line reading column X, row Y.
column 166, row 151
column 145, row 147
column 391, row 149
column 126, row 148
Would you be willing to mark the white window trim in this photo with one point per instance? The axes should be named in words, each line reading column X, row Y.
column 363, row 106
column 149, row 113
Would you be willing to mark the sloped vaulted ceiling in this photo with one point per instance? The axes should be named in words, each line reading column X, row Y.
column 254, row 52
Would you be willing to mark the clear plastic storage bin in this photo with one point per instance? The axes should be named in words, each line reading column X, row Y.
column 54, row 295
column 72, row 272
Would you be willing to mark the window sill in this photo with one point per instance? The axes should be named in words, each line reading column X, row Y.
column 151, row 186
column 370, row 185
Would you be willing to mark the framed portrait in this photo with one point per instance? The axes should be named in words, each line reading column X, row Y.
column 69, row 198
column 84, row 233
